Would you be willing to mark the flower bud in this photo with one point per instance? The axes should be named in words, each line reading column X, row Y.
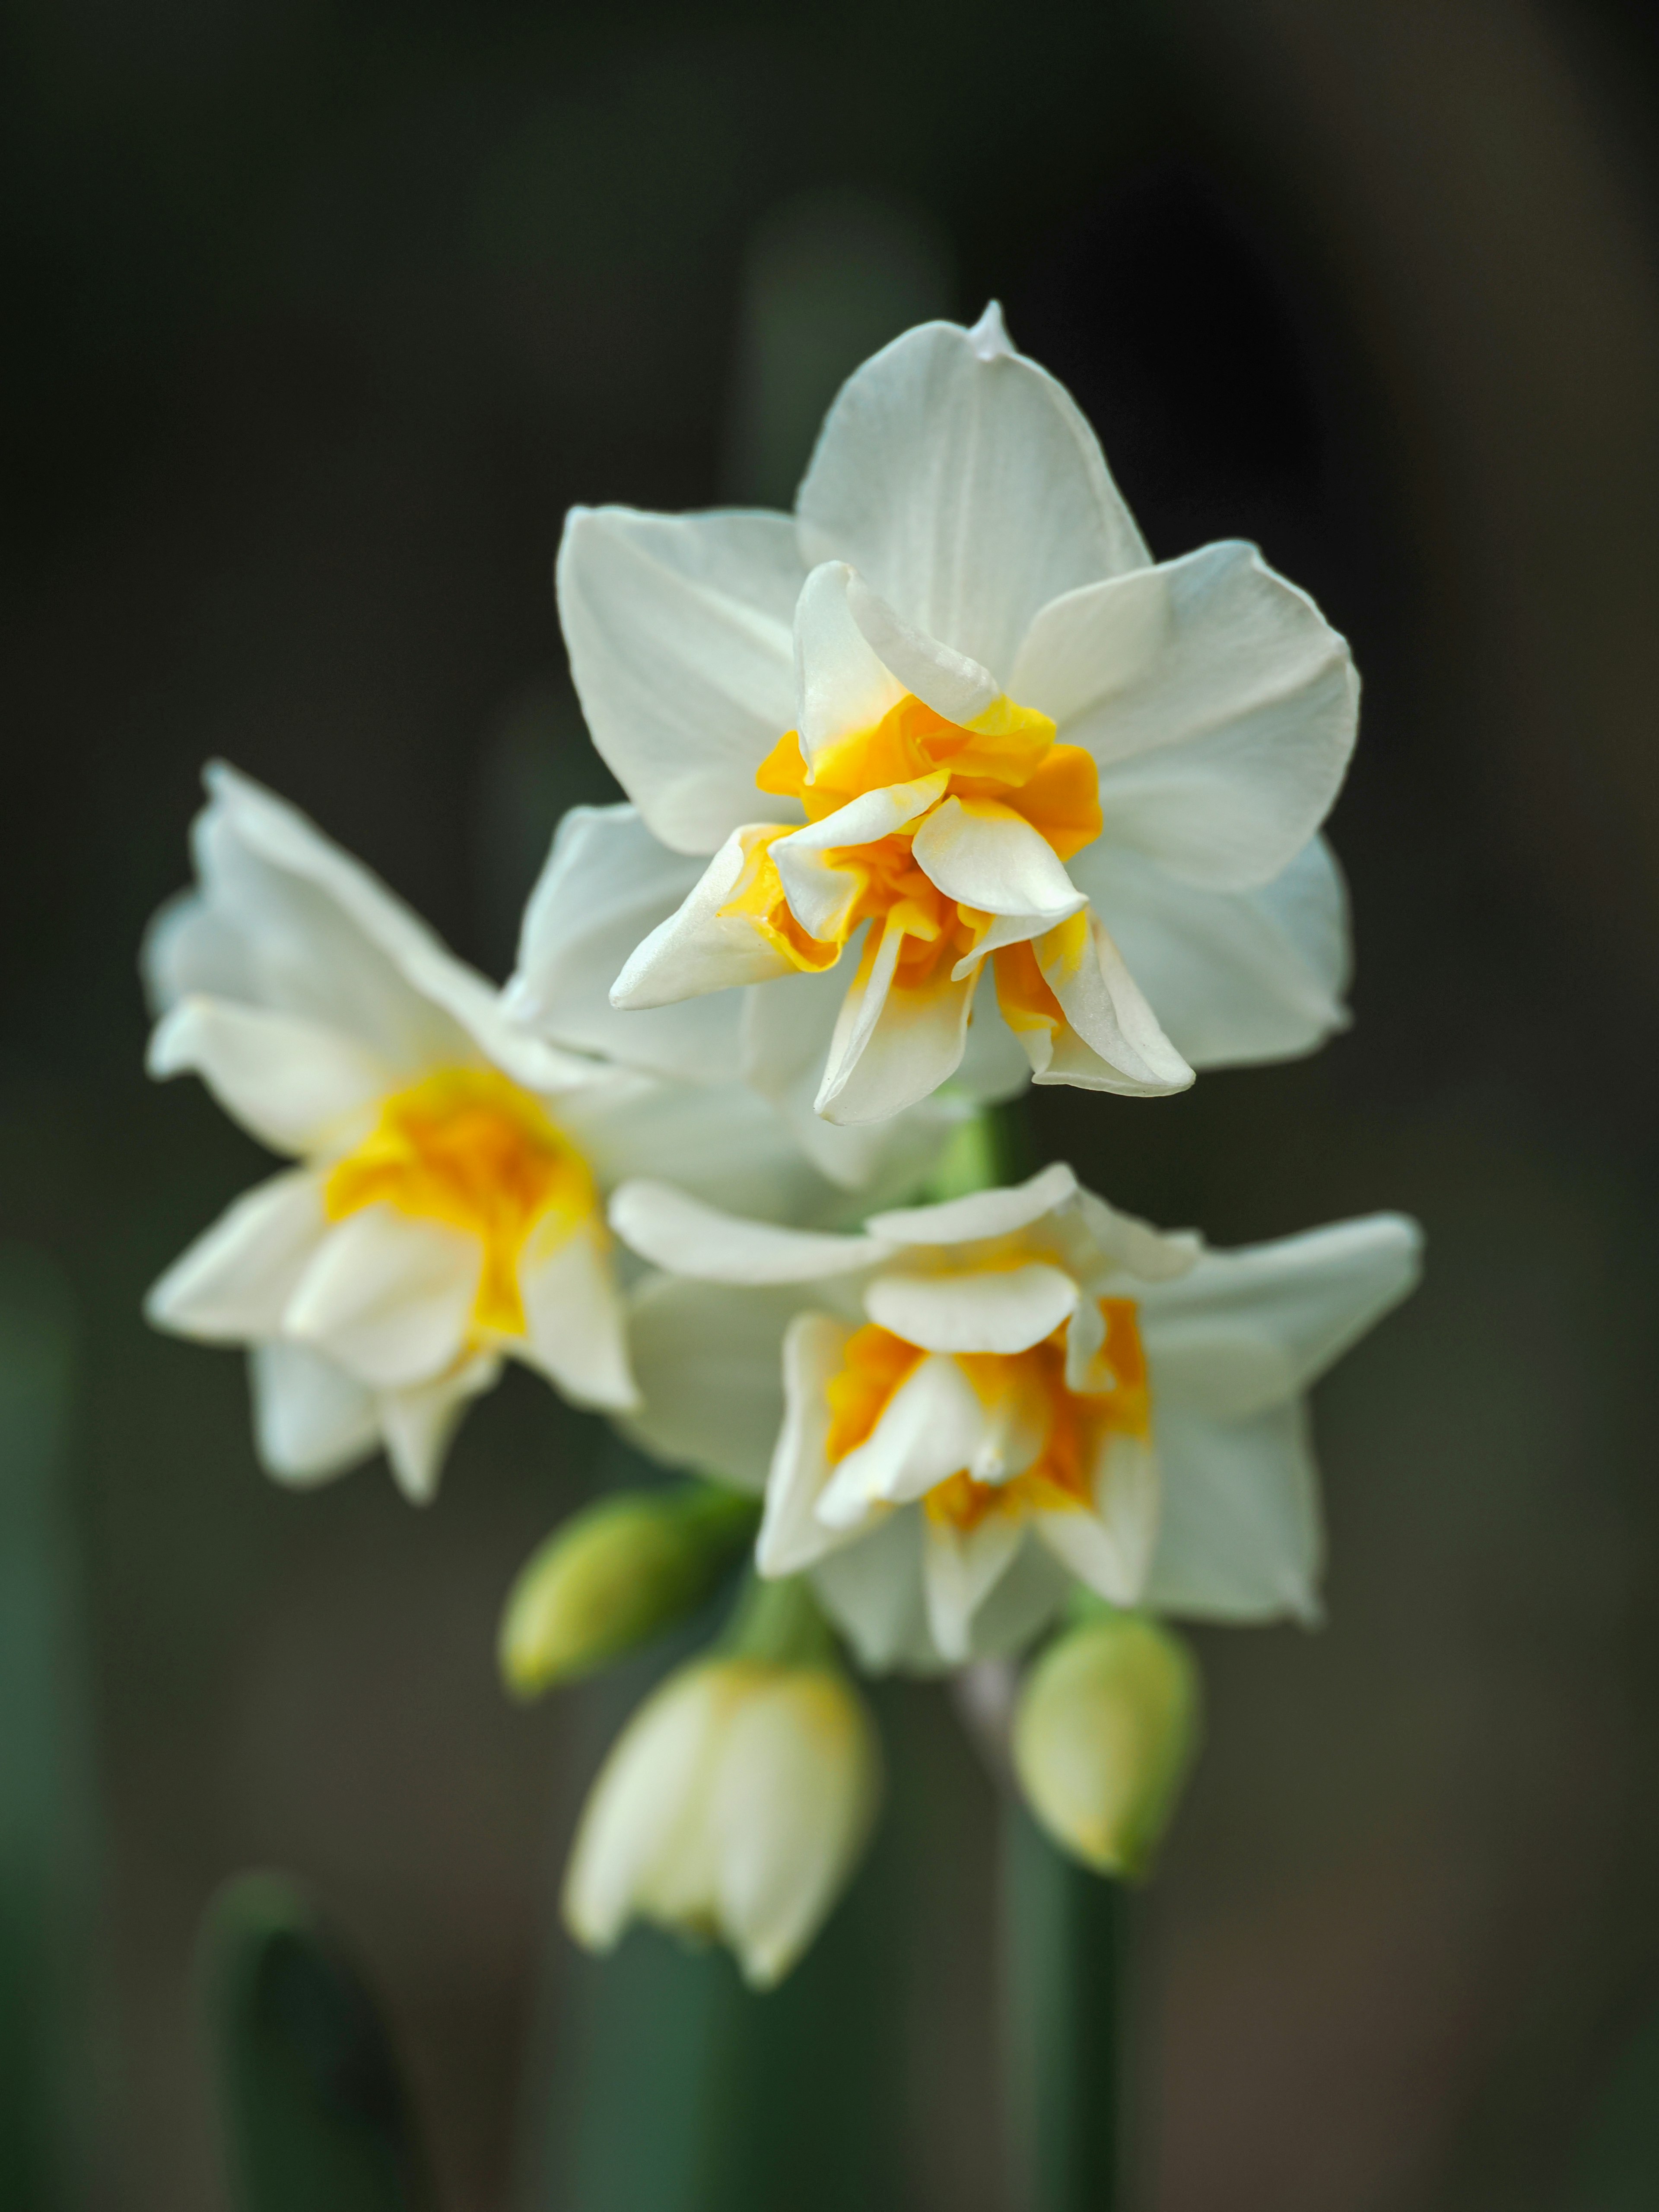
column 615, row 1575
column 1106, row 1729
column 735, row 1805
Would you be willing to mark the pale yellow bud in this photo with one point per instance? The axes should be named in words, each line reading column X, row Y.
column 615, row 1575
column 1106, row 1727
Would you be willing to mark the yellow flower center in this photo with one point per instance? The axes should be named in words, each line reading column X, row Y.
column 1029, row 1386
column 469, row 1149
column 1005, row 762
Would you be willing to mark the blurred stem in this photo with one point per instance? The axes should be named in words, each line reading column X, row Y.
column 1064, row 1932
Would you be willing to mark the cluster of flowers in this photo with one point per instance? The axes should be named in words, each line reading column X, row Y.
column 1060, row 806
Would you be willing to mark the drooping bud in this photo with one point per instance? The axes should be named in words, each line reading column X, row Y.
column 616, row 1574
column 735, row 1804
column 1105, row 1731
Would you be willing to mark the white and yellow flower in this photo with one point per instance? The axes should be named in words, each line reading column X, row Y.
column 997, row 743
column 957, row 1411
column 447, row 1209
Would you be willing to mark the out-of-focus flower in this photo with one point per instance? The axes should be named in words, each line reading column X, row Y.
column 734, row 1806
column 995, row 739
column 1105, row 1729
column 972, row 1402
column 446, row 1211
column 616, row 1574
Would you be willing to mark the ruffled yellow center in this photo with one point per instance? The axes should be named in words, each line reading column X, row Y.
column 469, row 1149
column 1026, row 1390
column 1006, row 762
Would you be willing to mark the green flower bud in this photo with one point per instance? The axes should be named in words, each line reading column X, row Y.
column 616, row 1574
column 1106, row 1729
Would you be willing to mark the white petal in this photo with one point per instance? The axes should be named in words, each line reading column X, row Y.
column 699, row 949
column 311, row 1419
column 234, row 1280
column 790, row 1810
column 293, row 1084
column 646, row 1804
column 1113, row 1041
column 1246, row 1329
column 792, row 1536
column 962, row 483
column 1219, row 703
column 984, row 1310
column 820, row 894
column 933, row 1427
column 1237, row 977
column 578, row 1335
column 951, row 682
column 679, row 634
column 608, row 884
column 1121, row 1240
column 1111, row 1549
column 893, row 1046
column 960, row 1568
column 720, row 1141
column 388, row 1297
column 1241, row 1537
column 993, row 1066
column 987, row 856
column 841, row 685
column 685, row 1237
column 981, row 1215
column 418, row 1425
column 872, row 1590
column 708, row 1364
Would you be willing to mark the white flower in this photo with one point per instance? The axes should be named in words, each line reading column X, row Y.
column 955, row 1412
column 735, row 1804
column 446, row 1206
column 995, row 739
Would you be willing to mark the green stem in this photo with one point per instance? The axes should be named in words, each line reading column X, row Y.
column 1065, row 1933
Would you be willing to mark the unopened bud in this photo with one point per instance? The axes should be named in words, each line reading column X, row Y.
column 1106, row 1730
column 616, row 1574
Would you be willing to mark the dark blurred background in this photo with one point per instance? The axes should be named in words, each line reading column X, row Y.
column 320, row 316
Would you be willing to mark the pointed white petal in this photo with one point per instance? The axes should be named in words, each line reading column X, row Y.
column 980, row 1214
column 1240, row 1537
column 1111, row 1549
column 418, row 1425
column 960, row 1568
column 1113, row 1041
column 949, row 682
column 792, row 1536
column 608, row 884
column 986, row 855
column 1237, row 977
column 993, row 1066
column 893, row 1046
column 1218, row 702
column 984, row 1310
column 687, row 1237
column 293, row 1084
column 933, row 1427
column 311, row 1419
column 388, row 1297
column 578, row 1334
column 1121, row 1240
column 821, row 895
column 234, row 1280
column 872, row 1590
column 708, row 1362
column 841, row 685
column 679, row 634
column 962, row 483
column 699, row 949
column 1246, row 1329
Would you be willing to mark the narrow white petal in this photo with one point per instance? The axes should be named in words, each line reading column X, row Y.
column 234, row 1281
column 872, row 1590
column 949, row 682
column 821, row 895
column 792, row 1536
column 993, row 1066
column 685, row 1237
column 960, row 1568
column 841, row 685
column 708, row 1362
column 982, row 1310
column 388, row 1297
column 679, row 634
column 962, row 483
column 1218, row 702
column 981, row 1214
column 578, row 1335
column 893, row 1046
column 933, row 1427
column 1111, row 1549
column 1113, row 1041
column 1240, row 1537
column 293, row 1084
column 987, row 856
column 698, row 948
column 608, row 884
column 1237, row 977
column 311, row 1419
column 418, row 1425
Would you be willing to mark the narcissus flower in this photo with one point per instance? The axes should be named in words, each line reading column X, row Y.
column 734, row 1806
column 951, row 720
column 959, row 1411
column 446, row 1208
